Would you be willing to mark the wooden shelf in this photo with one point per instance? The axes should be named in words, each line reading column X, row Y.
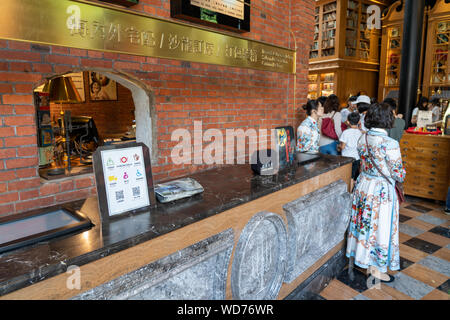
column 346, row 51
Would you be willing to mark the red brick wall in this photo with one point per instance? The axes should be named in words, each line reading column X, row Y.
column 221, row 97
column 110, row 117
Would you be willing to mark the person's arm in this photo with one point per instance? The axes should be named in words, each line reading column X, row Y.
column 436, row 113
column 414, row 116
column 344, row 114
column 394, row 161
column 304, row 139
column 402, row 124
column 342, row 141
column 337, row 124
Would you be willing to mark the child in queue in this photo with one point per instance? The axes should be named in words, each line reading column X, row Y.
column 349, row 143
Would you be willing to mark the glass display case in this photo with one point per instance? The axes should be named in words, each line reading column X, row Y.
column 327, row 84
column 313, row 86
column 439, row 66
column 391, row 47
column 436, row 82
column 321, row 84
column 392, row 75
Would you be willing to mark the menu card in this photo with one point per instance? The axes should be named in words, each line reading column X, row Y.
column 123, row 176
column 424, row 118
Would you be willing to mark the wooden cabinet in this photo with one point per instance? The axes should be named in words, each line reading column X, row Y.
column 437, row 63
column 344, row 57
column 391, row 47
column 426, row 160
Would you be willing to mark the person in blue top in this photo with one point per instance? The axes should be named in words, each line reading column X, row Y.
column 308, row 134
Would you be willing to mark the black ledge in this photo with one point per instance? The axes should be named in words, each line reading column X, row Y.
column 225, row 188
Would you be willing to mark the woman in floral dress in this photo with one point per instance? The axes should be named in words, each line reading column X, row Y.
column 308, row 133
column 373, row 232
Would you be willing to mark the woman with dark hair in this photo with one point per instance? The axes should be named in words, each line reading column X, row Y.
column 328, row 142
column 322, row 100
column 396, row 132
column 373, row 232
column 422, row 105
column 351, row 106
column 308, row 133
column 436, row 109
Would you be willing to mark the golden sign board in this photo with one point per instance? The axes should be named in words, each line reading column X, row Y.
column 234, row 8
column 96, row 27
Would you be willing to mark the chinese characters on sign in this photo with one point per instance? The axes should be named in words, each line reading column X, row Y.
column 89, row 26
column 174, row 42
column 112, row 32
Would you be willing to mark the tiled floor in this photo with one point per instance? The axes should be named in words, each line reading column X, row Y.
column 424, row 257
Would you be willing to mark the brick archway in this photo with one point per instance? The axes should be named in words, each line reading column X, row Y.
column 144, row 105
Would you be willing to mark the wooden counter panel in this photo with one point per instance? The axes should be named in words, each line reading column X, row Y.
column 115, row 265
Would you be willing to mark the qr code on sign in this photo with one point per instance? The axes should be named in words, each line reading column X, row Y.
column 136, row 191
column 119, row 195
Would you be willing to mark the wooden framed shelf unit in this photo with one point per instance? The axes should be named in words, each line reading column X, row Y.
column 437, row 64
column 344, row 56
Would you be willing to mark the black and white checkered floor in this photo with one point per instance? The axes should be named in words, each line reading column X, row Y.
column 424, row 256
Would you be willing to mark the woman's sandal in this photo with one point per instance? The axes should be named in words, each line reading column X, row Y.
column 391, row 278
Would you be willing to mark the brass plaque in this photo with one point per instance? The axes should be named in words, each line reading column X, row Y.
column 84, row 25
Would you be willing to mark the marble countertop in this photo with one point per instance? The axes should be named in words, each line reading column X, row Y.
column 225, row 187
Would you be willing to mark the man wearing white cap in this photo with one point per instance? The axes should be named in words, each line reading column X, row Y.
column 363, row 103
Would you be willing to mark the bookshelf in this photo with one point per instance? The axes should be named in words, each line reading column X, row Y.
column 344, row 49
column 321, row 84
column 314, row 52
column 329, row 29
column 325, row 22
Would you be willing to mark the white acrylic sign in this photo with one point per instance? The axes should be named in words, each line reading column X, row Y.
column 424, row 118
column 125, row 179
